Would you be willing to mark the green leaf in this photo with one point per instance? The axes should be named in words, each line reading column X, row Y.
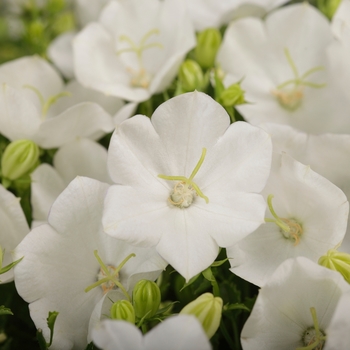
column 208, row 274
column 41, row 339
column 236, row 306
column 189, row 282
column 5, row 311
column 218, row 263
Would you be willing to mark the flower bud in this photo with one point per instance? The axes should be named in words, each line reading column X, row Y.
column 191, row 76
column 208, row 43
column 123, row 310
column 208, row 310
column 146, row 298
column 19, row 158
column 337, row 261
column 232, row 96
column 328, row 7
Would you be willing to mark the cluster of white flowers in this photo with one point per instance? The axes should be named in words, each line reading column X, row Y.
column 177, row 186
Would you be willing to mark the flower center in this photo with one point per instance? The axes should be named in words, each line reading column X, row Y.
column 45, row 105
column 139, row 77
column 290, row 94
column 186, row 190
column 290, row 228
column 108, row 276
column 313, row 338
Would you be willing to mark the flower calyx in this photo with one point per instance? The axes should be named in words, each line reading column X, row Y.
column 186, row 190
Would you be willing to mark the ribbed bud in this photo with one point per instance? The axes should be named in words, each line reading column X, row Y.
column 123, row 310
column 208, row 43
column 191, row 76
column 208, row 310
column 232, row 96
column 146, row 298
column 337, row 261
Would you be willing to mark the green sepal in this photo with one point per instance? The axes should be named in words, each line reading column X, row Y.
column 209, row 276
column 41, row 340
column 9, row 266
column 235, row 306
column 193, row 279
column 5, row 310
column 219, row 262
column 51, row 319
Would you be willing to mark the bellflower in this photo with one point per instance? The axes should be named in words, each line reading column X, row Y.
column 29, row 93
column 135, row 49
column 189, row 181
column 327, row 154
column 69, row 264
column 294, row 308
column 283, row 64
column 13, row 229
column 306, row 216
column 180, row 332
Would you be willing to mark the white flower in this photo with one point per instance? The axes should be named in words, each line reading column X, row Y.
column 190, row 181
column 182, row 332
column 327, row 154
column 298, row 295
column 135, row 49
column 30, row 97
column 283, row 63
column 60, row 265
column 212, row 13
column 13, row 228
column 307, row 217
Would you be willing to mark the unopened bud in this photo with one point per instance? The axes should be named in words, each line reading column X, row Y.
column 208, row 310
column 146, row 298
column 123, row 310
column 337, row 261
column 328, row 7
column 19, row 158
column 208, row 43
column 232, row 96
column 191, row 76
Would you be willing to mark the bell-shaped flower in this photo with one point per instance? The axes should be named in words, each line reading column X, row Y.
column 135, row 49
column 36, row 105
column 294, row 308
column 327, row 154
column 189, row 181
column 69, row 264
column 13, row 229
column 212, row 13
column 180, row 332
column 306, row 216
column 283, row 65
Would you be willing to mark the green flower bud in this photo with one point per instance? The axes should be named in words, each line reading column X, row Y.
column 208, row 43
column 191, row 76
column 146, row 298
column 232, row 96
column 123, row 310
column 337, row 261
column 208, row 310
column 328, row 7
column 19, row 158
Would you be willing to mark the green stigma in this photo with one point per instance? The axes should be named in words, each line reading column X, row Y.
column 45, row 105
column 290, row 228
column 313, row 338
column 290, row 93
column 108, row 277
column 186, row 189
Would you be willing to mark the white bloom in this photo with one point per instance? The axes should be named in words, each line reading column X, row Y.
column 213, row 203
column 283, row 62
column 213, row 13
column 135, row 49
column 282, row 314
column 29, row 92
column 182, row 332
column 60, row 263
column 312, row 218
column 327, row 154
column 13, row 228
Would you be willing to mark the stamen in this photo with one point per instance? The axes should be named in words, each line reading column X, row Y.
column 313, row 338
column 112, row 273
column 186, row 187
